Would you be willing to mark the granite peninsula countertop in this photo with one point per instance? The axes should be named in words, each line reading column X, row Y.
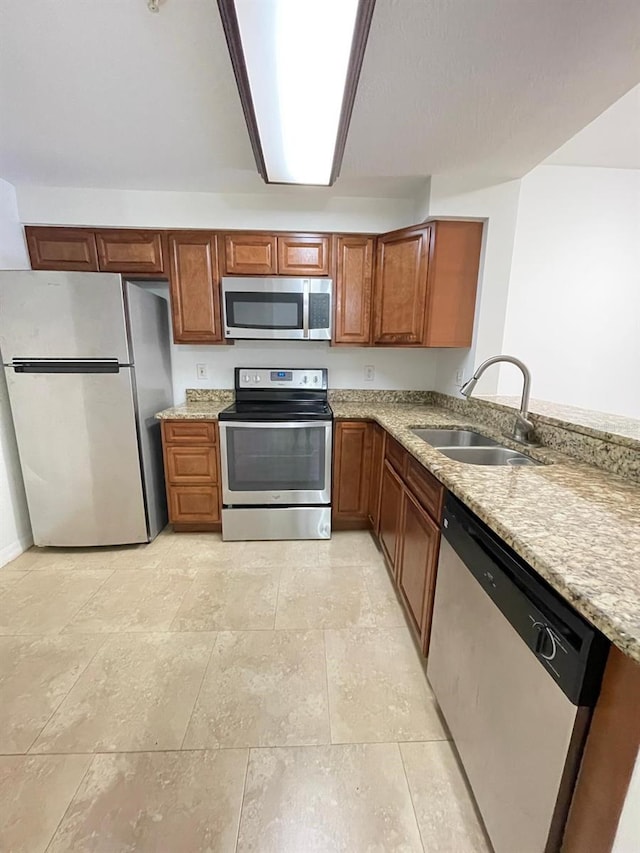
column 576, row 525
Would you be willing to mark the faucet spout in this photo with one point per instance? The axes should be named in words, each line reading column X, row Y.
column 523, row 428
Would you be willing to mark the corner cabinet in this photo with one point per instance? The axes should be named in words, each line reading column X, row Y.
column 191, row 470
column 425, row 284
column 195, row 287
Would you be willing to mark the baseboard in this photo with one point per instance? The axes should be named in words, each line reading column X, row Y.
column 14, row 549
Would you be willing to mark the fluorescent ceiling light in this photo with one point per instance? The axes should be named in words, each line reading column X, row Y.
column 297, row 64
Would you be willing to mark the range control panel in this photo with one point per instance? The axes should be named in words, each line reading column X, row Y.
column 274, row 377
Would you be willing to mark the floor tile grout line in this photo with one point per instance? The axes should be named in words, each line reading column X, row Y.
column 275, row 610
column 58, row 706
column 413, row 805
column 221, row 748
column 71, row 799
column 91, row 597
column 244, row 791
column 326, row 672
column 204, row 675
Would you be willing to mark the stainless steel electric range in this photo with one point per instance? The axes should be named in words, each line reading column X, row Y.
column 275, row 443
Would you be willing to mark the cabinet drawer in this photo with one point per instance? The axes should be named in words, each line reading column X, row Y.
column 396, row 454
column 424, row 486
column 189, row 432
column 193, row 504
column 192, row 465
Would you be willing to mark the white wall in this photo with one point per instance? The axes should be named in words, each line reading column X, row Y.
column 573, row 311
column 498, row 203
column 627, row 838
column 279, row 209
column 394, row 368
column 15, row 530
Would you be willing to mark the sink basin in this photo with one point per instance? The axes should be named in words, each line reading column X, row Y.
column 487, row 456
column 454, row 438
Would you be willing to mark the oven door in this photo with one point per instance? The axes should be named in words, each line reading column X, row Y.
column 275, row 463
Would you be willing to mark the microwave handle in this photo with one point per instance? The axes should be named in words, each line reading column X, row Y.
column 305, row 308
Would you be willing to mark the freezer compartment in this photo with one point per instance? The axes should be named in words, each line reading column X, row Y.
column 78, row 449
column 62, row 315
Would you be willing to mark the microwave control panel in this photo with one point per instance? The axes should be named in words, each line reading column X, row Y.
column 265, row 377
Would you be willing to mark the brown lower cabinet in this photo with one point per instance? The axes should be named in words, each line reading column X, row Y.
column 419, row 543
column 377, row 485
column 191, row 468
column 351, row 474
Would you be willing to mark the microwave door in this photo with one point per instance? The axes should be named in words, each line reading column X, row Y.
column 268, row 308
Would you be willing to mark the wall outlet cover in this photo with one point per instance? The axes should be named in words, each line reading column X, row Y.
column 369, row 373
column 202, row 371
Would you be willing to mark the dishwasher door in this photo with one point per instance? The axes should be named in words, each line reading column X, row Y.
column 517, row 733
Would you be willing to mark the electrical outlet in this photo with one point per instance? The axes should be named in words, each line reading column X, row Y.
column 202, row 371
column 369, row 373
column 459, row 378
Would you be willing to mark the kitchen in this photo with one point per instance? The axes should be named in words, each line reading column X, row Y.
column 258, row 669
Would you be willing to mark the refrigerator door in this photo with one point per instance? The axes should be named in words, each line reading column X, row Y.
column 62, row 315
column 78, row 449
column 149, row 329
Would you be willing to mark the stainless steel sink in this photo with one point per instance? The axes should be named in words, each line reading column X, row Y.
column 454, row 438
column 487, row 456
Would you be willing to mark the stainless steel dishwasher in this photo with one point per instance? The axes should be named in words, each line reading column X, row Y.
column 516, row 672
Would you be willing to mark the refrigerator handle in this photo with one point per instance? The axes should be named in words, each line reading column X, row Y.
column 109, row 365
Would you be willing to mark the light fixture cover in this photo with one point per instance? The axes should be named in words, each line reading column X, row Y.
column 297, row 64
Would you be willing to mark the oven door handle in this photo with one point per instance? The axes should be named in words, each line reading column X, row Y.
column 305, row 308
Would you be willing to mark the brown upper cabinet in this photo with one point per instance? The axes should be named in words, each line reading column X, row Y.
column 261, row 253
column 353, row 289
column 195, row 287
column 62, row 249
column 303, row 254
column 425, row 284
column 250, row 254
column 119, row 250
column 128, row 251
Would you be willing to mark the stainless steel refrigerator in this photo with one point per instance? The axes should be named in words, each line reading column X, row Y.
column 87, row 362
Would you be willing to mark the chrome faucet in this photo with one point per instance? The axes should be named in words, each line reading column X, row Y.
column 523, row 428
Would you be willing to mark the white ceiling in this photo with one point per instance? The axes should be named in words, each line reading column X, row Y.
column 106, row 94
column 612, row 140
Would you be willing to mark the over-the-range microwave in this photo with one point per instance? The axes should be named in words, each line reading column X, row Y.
column 277, row 308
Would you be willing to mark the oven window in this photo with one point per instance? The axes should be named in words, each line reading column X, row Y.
column 264, row 310
column 276, row 459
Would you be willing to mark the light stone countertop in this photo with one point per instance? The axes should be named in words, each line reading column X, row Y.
column 576, row 525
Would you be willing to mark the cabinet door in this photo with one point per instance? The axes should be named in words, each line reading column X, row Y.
column 453, row 281
column 351, row 473
column 250, row 254
column 130, row 251
column 303, row 254
column 420, row 539
column 62, row 249
column 401, row 287
column 195, row 287
column 353, row 290
column 377, row 458
column 390, row 514
column 194, row 504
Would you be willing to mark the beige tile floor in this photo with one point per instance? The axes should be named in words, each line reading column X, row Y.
column 194, row 695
